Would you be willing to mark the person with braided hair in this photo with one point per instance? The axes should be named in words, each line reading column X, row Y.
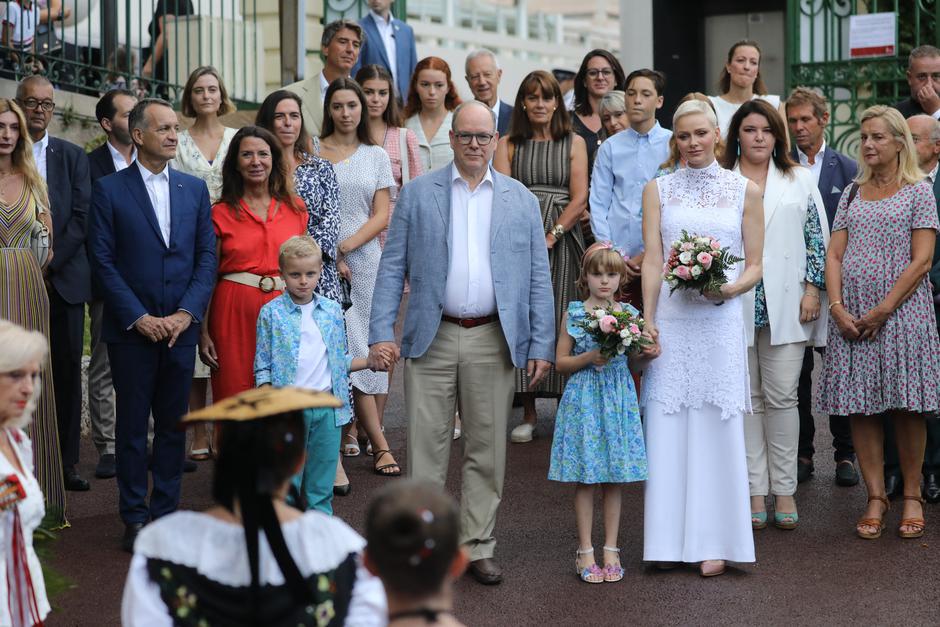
column 260, row 561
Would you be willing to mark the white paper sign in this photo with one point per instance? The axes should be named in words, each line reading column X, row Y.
column 872, row 35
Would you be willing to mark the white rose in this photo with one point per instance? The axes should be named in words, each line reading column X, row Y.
column 685, row 257
column 627, row 340
column 696, row 271
column 704, row 241
column 593, row 324
column 625, row 333
column 599, row 313
column 621, row 350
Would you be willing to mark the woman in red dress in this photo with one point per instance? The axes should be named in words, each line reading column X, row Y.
column 255, row 214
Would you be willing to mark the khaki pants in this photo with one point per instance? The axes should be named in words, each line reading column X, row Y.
column 472, row 365
column 100, row 388
column 772, row 432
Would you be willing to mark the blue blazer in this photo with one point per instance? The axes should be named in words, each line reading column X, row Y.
column 505, row 116
column 69, row 194
column 136, row 271
column 837, row 173
column 418, row 246
column 373, row 51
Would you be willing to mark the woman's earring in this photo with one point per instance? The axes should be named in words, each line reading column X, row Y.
column 523, row 107
column 738, row 146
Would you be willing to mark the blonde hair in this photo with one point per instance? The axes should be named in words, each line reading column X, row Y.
column 600, row 257
column 909, row 171
column 297, row 247
column 23, row 156
column 693, row 106
column 21, row 346
column 674, row 157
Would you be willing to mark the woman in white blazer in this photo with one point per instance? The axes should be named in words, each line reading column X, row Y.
column 783, row 312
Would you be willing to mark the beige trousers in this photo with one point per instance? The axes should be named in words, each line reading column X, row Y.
column 772, row 432
column 472, row 365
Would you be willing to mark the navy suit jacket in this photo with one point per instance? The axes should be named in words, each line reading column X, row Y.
column 373, row 52
column 137, row 272
column 100, row 163
column 69, row 195
column 837, row 173
column 505, row 115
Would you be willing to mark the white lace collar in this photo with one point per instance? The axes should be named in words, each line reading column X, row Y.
column 708, row 171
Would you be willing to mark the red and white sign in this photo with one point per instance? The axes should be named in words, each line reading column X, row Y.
column 872, row 35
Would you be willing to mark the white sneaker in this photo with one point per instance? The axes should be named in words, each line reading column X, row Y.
column 522, row 433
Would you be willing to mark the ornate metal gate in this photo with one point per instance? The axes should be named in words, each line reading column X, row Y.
column 818, row 57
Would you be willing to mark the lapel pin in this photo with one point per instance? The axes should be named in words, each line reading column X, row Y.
column 180, row 185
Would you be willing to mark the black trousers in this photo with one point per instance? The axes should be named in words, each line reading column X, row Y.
column 66, row 332
column 838, row 425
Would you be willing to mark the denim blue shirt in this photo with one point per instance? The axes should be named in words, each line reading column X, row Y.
column 625, row 163
column 278, row 346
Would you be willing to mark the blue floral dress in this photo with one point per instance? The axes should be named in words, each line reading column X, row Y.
column 598, row 435
column 315, row 182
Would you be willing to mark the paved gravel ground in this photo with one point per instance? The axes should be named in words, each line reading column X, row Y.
column 819, row 574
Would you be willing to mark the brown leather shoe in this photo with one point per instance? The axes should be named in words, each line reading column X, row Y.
column 486, row 571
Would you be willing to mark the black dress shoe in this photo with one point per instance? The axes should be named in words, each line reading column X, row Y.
column 486, row 571
column 893, row 486
column 342, row 490
column 74, row 483
column 804, row 469
column 932, row 487
column 130, row 535
column 189, row 465
column 846, row 475
column 107, row 466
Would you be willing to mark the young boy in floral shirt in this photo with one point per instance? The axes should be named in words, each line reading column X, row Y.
column 302, row 342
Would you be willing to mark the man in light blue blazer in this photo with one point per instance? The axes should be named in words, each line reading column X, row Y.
column 472, row 245
column 389, row 42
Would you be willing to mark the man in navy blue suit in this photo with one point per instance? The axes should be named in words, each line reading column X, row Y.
column 388, row 42
column 65, row 167
column 807, row 117
column 483, row 75
column 153, row 255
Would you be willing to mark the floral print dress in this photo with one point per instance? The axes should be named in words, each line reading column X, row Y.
column 598, row 435
column 315, row 183
column 900, row 368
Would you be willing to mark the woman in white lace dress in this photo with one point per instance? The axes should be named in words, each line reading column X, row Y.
column 695, row 394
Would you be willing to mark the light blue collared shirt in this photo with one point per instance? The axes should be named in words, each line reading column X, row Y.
column 625, row 163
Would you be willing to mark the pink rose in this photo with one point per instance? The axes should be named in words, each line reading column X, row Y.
column 705, row 259
column 607, row 323
column 683, row 272
column 686, row 246
column 715, row 245
column 635, row 330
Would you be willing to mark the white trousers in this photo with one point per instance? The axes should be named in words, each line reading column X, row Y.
column 772, row 432
column 696, row 504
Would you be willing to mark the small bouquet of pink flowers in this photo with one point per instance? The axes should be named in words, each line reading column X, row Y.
column 697, row 262
column 616, row 332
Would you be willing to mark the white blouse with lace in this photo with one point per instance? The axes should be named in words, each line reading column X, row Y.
column 704, row 349
column 22, row 591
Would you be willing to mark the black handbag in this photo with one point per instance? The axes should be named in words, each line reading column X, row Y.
column 345, row 293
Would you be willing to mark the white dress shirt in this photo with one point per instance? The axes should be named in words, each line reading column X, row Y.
column 387, row 33
column 324, row 85
column 158, row 188
column 816, row 167
column 313, row 366
column 39, row 155
column 469, row 291
column 118, row 158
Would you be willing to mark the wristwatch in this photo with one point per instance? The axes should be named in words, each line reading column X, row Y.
column 558, row 231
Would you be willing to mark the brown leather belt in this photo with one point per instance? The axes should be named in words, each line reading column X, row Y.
column 469, row 323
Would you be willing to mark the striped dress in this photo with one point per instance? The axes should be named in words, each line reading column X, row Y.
column 23, row 300
column 544, row 167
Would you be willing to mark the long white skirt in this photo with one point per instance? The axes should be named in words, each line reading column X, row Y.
column 697, row 497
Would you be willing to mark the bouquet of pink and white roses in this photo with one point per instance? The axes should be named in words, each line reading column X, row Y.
column 697, row 262
column 616, row 332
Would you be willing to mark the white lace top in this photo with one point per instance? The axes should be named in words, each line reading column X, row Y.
column 704, row 350
column 189, row 159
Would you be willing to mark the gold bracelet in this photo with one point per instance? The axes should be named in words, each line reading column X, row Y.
column 834, row 303
column 557, row 231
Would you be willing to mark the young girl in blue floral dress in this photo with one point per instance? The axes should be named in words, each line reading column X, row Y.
column 598, row 435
